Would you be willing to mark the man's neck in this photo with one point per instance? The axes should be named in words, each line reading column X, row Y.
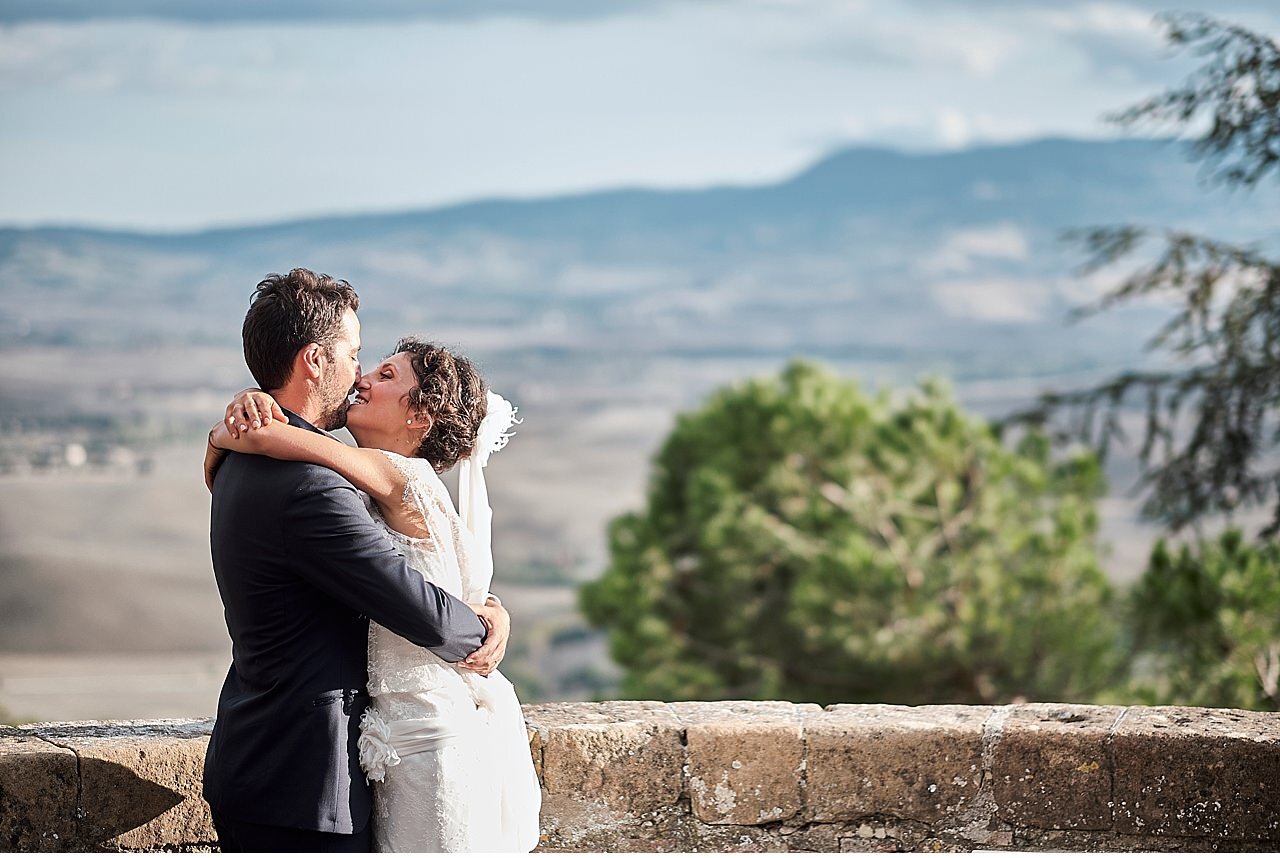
column 299, row 403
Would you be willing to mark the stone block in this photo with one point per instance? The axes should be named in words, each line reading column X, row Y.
column 1052, row 768
column 571, row 825
column 535, row 751
column 624, row 756
column 38, row 784
column 140, row 782
column 745, row 760
column 812, row 838
column 1198, row 772
column 916, row 762
column 699, row 836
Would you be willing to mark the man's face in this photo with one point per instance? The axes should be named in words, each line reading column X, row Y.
column 340, row 374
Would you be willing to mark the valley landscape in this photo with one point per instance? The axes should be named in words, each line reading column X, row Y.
column 600, row 315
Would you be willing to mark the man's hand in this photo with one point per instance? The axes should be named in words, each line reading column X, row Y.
column 497, row 623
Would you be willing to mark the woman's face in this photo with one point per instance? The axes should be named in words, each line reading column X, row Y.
column 382, row 397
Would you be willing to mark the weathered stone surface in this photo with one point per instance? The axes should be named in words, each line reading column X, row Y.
column 577, row 824
column 699, row 836
column 745, row 760
column 1052, row 768
column 535, row 751
column 871, row 834
column 611, row 775
column 1207, row 772
column 140, row 782
column 1185, row 779
column 914, row 762
column 37, row 795
column 814, row 838
column 623, row 756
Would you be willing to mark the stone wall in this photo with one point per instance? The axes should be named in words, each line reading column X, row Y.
column 660, row 777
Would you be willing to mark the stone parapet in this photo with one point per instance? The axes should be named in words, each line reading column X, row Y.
column 746, row 776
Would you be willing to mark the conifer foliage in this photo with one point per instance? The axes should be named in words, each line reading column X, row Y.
column 805, row 541
column 1213, row 413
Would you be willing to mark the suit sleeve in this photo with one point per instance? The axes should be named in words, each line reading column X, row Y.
column 336, row 546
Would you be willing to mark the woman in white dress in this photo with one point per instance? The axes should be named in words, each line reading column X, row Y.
column 445, row 748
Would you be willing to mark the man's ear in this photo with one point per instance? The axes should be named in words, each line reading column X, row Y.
column 308, row 361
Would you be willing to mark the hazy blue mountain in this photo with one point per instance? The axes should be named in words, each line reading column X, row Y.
column 951, row 260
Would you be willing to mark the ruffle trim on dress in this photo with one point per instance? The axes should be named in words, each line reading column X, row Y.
column 374, row 746
column 488, row 692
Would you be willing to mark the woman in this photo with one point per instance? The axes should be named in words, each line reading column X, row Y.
column 446, row 748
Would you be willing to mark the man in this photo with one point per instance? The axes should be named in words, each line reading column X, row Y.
column 301, row 569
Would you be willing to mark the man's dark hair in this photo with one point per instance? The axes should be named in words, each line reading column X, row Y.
column 286, row 313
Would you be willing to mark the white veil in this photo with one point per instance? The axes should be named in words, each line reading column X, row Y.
column 473, row 494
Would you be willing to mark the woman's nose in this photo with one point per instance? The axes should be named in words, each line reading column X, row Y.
column 362, row 381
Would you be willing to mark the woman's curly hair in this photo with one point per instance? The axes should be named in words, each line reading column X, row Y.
column 452, row 395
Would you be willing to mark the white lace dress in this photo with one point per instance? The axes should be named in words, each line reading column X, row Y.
column 446, row 750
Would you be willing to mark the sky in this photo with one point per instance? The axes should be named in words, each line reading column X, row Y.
column 176, row 115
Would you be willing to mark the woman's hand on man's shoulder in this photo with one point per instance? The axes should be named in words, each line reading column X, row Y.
column 252, row 409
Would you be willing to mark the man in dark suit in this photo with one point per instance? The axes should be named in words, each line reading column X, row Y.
column 302, row 568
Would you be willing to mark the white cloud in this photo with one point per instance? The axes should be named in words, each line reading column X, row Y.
column 145, row 57
column 960, row 249
column 953, row 128
column 965, row 44
column 993, row 300
column 1088, row 288
column 342, row 11
column 1104, row 18
column 1003, row 241
column 179, row 124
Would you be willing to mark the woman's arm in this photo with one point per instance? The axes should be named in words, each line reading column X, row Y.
column 213, row 457
column 368, row 470
column 250, row 407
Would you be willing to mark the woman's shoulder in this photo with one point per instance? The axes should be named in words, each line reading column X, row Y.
column 418, row 473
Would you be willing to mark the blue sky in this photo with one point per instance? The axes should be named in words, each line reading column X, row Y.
column 143, row 114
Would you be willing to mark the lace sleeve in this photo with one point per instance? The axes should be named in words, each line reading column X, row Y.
column 422, row 494
column 425, row 495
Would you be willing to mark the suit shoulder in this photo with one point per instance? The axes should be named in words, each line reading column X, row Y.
column 287, row 476
column 308, row 477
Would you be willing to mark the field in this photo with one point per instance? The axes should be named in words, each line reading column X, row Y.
column 108, row 607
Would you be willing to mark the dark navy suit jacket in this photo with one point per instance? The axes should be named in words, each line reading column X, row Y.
column 302, row 568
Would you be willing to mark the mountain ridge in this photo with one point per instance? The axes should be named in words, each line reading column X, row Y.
column 844, row 165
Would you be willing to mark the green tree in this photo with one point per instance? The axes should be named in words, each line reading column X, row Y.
column 805, row 541
column 1213, row 411
column 1207, row 624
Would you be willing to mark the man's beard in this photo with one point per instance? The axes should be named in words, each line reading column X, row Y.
column 333, row 413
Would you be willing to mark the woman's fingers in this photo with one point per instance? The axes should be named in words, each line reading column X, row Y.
column 252, row 409
column 273, row 411
column 267, row 408
column 259, row 410
column 264, row 408
column 251, row 415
